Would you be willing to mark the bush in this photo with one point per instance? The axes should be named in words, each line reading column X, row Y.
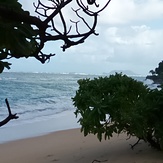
column 154, row 115
column 117, row 104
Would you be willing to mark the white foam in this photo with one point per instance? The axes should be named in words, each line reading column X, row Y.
column 62, row 121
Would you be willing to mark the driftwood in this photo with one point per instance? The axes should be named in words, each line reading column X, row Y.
column 98, row 161
column 10, row 116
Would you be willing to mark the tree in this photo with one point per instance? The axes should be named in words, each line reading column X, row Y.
column 159, row 69
column 10, row 116
column 23, row 35
column 157, row 74
column 117, row 104
column 152, row 72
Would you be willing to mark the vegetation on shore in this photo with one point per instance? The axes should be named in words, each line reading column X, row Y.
column 157, row 74
column 117, row 104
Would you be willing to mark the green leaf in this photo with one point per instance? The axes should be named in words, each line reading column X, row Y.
column 3, row 55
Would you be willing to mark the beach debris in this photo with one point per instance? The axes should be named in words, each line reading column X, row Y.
column 98, row 161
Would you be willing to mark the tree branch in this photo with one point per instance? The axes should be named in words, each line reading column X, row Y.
column 41, row 29
column 133, row 145
column 10, row 116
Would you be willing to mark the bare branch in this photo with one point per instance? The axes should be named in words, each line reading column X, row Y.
column 64, row 23
column 76, row 25
column 10, row 116
column 55, row 29
column 104, row 6
column 69, row 30
column 44, row 8
column 57, row 10
column 76, row 11
column 133, row 145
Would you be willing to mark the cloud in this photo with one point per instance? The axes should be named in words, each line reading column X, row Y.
column 137, row 48
column 136, row 45
column 131, row 11
column 142, row 36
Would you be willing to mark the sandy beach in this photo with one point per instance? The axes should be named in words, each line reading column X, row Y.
column 70, row 146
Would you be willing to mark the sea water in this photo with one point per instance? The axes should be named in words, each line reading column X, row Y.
column 43, row 102
column 36, row 95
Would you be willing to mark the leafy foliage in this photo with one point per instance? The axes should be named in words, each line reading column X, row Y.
column 159, row 69
column 154, row 118
column 17, row 38
column 119, row 104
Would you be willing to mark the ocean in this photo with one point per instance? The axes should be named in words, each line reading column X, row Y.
column 41, row 100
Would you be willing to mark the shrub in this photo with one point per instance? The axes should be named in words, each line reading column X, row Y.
column 154, row 114
column 117, row 104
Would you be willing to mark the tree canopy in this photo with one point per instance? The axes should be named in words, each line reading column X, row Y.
column 24, row 35
column 157, row 74
column 120, row 104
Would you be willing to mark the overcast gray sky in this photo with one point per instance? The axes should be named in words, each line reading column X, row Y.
column 130, row 38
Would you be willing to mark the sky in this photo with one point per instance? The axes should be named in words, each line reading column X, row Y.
column 130, row 38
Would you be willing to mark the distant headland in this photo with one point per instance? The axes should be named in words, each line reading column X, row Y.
column 126, row 72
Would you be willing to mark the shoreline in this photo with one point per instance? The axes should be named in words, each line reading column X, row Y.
column 57, row 122
column 70, row 146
